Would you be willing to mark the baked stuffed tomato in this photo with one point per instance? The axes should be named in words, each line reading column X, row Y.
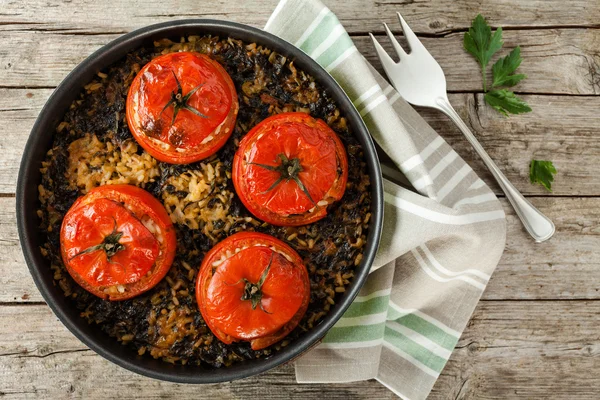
column 117, row 241
column 289, row 168
column 182, row 107
column 252, row 287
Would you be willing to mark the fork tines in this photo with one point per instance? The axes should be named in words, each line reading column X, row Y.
column 413, row 42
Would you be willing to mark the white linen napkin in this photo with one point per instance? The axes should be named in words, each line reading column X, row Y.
column 438, row 247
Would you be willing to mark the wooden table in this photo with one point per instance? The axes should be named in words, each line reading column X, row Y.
column 535, row 333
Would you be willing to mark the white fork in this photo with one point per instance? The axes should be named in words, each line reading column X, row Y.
column 420, row 81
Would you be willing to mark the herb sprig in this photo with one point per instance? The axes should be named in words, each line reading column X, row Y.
column 542, row 172
column 482, row 44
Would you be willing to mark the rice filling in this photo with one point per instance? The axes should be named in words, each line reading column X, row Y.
column 93, row 146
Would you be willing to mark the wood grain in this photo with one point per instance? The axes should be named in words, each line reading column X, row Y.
column 18, row 110
column 525, row 349
column 32, row 339
column 358, row 16
column 558, row 61
column 565, row 267
column 534, row 335
column 562, row 129
column 509, row 349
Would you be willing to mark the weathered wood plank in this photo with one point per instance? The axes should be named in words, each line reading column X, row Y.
column 532, row 350
column 15, row 280
column 528, row 349
column 561, row 61
column 565, row 267
column 18, row 110
column 510, row 349
column 560, row 128
column 32, row 339
column 427, row 16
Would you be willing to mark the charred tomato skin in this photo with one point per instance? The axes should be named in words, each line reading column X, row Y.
column 138, row 203
column 210, row 111
column 307, row 154
column 286, row 290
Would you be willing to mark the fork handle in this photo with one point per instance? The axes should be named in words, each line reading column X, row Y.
column 537, row 224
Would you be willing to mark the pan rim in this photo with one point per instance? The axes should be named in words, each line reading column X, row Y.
column 27, row 172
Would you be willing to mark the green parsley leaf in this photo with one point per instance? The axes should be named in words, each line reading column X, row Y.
column 504, row 67
column 480, row 42
column 505, row 101
column 542, row 172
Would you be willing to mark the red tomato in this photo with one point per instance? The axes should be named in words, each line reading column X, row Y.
column 252, row 287
column 182, row 107
column 289, row 168
column 117, row 241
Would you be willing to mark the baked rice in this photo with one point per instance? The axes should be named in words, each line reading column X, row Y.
column 93, row 146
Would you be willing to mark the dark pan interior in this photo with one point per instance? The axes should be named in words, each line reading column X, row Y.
column 27, row 201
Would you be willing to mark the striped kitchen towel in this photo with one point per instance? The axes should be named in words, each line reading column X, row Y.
column 439, row 246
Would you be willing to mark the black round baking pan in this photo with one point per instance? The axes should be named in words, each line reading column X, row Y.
column 40, row 141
